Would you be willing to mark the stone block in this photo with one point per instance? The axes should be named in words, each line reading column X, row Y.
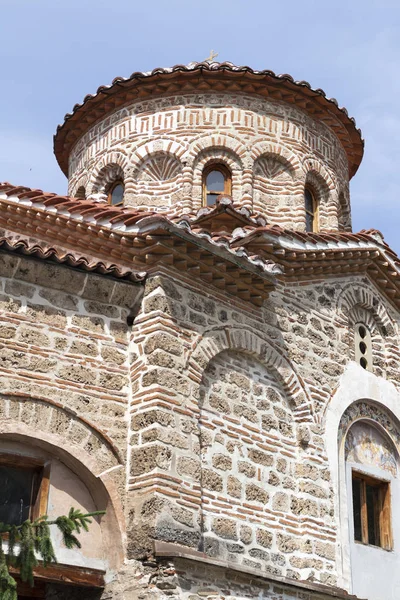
column 264, row 538
column 189, row 466
column 211, row 480
column 234, row 487
column 260, row 457
column 222, row 462
column 225, row 528
column 148, row 458
column 256, row 494
column 56, row 277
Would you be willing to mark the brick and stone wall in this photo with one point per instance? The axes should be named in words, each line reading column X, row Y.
column 228, row 446
column 205, row 420
column 64, row 375
column 160, row 147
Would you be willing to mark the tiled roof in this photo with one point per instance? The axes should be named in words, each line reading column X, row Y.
column 245, row 251
column 165, row 81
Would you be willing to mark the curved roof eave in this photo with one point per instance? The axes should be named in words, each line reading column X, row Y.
column 164, row 81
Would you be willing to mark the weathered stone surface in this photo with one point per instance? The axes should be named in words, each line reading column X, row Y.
column 256, row 494
column 147, row 458
column 225, row 528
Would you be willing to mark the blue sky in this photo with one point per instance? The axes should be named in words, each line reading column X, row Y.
column 54, row 52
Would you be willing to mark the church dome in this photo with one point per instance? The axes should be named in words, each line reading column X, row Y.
column 173, row 139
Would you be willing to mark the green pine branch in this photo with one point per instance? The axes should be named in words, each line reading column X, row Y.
column 30, row 542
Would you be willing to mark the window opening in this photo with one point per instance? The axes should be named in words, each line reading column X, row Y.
column 81, row 193
column 24, row 486
column 363, row 346
column 371, row 511
column 217, row 180
column 311, row 208
column 116, row 193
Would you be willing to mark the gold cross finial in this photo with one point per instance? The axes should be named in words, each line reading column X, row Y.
column 212, row 56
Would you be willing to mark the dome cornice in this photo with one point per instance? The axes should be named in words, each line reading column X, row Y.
column 208, row 77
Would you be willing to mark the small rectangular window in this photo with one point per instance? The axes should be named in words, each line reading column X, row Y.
column 371, row 511
column 24, row 486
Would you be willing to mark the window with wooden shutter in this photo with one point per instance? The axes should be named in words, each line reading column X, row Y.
column 371, row 511
column 217, row 180
column 24, row 488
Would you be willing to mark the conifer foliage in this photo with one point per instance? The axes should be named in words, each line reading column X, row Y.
column 27, row 544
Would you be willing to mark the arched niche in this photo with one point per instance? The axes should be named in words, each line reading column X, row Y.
column 103, row 178
column 157, row 181
column 246, row 427
column 361, row 305
column 369, row 493
column 84, row 472
column 274, row 186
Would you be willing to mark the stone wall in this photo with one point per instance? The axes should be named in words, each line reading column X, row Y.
column 227, row 439
column 64, row 374
column 160, row 148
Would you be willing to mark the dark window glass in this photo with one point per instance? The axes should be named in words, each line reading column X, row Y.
column 117, row 194
column 309, row 205
column 211, row 199
column 215, row 181
column 357, row 509
column 309, row 222
column 362, row 331
column 309, row 202
column 372, row 493
column 16, row 494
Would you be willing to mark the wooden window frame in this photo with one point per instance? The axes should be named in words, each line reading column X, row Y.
column 315, row 213
column 383, row 510
column 111, row 188
column 18, row 461
column 226, row 172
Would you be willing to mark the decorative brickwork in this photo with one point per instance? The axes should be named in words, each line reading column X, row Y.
column 248, row 129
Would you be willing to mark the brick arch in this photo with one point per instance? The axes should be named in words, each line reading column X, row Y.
column 59, row 432
column 108, row 169
column 272, row 149
column 52, row 423
column 242, row 340
column 313, row 166
column 82, row 182
column 353, row 296
column 208, row 142
column 373, row 412
column 172, row 166
column 220, row 155
column 156, row 146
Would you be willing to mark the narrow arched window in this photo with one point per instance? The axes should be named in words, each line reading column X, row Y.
column 116, row 193
column 217, row 180
column 311, row 208
column 80, row 193
column 363, row 346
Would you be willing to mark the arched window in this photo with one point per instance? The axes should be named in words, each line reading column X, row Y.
column 363, row 346
column 311, row 208
column 372, row 462
column 116, row 193
column 81, row 193
column 217, row 180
